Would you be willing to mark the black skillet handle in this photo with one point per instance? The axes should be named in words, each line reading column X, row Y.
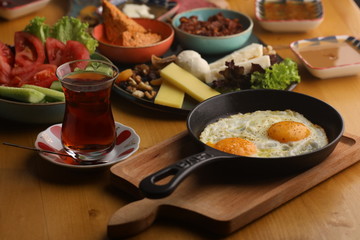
column 177, row 171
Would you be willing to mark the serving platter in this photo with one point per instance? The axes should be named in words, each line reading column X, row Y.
column 188, row 103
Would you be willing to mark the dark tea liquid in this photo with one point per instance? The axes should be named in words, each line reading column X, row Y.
column 88, row 121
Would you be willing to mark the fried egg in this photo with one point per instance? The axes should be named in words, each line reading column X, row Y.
column 265, row 134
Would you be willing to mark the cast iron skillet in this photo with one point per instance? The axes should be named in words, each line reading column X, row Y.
column 317, row 111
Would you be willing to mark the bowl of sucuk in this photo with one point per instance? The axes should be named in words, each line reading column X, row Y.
column 136, row 54
column 212, row 31
column 329, row 57
column 289, row 16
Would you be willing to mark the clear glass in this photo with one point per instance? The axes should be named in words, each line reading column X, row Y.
column 88, row 129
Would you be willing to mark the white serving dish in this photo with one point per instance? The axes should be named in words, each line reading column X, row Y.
column 290, row 25
column 11, row 12
column 340, row 69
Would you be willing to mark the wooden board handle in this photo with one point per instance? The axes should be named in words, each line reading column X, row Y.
column 132, row 218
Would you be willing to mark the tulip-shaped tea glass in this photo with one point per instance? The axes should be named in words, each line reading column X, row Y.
column 88, row 129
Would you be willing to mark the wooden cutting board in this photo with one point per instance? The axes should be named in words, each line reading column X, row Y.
column 221, row 197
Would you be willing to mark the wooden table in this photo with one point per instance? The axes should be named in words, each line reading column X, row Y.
column 39, row 200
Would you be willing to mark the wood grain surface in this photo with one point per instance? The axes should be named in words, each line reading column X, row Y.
column 41, row 201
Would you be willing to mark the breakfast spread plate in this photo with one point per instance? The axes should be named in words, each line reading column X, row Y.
column 127, row 143
column 189, row 103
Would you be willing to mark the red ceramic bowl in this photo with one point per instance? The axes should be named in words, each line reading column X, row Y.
column 123, row 54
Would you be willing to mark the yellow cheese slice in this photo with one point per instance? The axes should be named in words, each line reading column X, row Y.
column 187, row 82
column 169, row 95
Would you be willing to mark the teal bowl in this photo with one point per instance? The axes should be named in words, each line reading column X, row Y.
column 209, row 45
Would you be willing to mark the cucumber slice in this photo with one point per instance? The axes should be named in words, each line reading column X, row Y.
column 51, row 95
column 22, row 94
column 100, row 68
column 56, row 85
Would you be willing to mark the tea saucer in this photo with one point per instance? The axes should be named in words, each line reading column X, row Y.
column 127, row 143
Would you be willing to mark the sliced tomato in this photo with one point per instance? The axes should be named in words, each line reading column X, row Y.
column 75, row 50
column 54, row 50
column 41, row 75
column 6, row 55
column 29, row 50
column 6, row 62
column 5, row 71
column 20, row 75
column 44, row 76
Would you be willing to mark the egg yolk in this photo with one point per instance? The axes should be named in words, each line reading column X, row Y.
column 237, row 146
column 288, row 131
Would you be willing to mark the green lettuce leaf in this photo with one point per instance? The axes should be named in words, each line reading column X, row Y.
column 66, row 28
column 70, row 28
column 38, row 28
column 279, row 76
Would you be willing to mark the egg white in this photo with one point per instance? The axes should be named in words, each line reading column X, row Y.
column 253, row 127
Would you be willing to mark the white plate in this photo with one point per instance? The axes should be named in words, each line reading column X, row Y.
column 291, row 25
column 342, row 70
column 127, row 143
column 11, row 12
